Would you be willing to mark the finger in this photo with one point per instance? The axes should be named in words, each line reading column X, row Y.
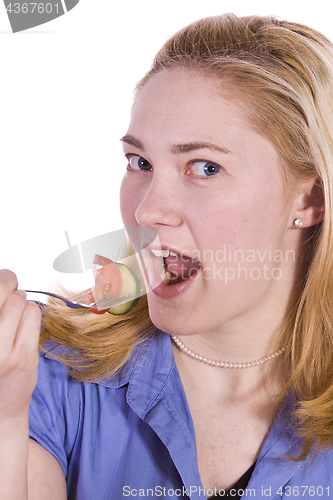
column 10, row 317
column 28, row 331
column 8, row 283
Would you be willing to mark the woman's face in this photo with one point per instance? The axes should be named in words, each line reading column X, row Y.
column 213, row 189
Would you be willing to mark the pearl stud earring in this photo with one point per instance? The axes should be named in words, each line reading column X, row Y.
column 298, row 222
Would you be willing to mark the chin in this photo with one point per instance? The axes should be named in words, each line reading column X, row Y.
column 173, row 323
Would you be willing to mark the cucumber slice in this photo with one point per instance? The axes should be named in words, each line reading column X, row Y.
column 131, row 286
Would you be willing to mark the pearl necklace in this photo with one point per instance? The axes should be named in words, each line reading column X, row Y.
column 224, row 364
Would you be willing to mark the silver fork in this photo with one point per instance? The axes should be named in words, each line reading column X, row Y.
column 97, row 306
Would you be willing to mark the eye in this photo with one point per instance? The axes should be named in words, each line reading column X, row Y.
column 204, row 168
column 136, row 162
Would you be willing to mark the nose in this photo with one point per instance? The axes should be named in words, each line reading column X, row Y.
column 160, row 205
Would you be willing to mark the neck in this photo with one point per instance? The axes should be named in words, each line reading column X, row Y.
column 258, row 382
column 234, row 347
column 235, row 343
column 224, row 363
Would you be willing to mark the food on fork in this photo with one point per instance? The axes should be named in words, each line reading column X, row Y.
column 113, row 280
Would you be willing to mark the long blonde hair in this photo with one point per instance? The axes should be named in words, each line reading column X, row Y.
column 283, row 73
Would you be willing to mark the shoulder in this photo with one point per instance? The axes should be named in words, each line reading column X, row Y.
column 62, row 407
column 146, row 371
column 53, row 375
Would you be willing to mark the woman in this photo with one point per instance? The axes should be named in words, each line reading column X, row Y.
column 230, row 160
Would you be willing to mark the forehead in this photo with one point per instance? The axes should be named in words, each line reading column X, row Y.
column 190, row 97
column 184, row 106
column 177, row 82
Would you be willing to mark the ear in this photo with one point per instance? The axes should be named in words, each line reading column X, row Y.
column 310, row 204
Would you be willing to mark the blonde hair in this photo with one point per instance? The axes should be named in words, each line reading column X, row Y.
column 283, row 74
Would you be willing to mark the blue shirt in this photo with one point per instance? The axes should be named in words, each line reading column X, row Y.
column 132, row 435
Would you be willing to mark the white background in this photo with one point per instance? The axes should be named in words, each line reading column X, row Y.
column 65, row 97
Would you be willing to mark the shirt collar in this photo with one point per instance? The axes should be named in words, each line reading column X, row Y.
column 146, row 372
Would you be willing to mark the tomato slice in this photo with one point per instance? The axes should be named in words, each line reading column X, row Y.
column 90, row 299
column 108, row 282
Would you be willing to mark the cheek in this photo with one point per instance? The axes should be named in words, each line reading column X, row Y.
column 218, row 215
column 244, row 222
column 128, row 203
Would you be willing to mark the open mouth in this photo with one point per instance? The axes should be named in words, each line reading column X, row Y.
column 175, row 268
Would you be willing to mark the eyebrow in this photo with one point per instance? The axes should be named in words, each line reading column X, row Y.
column 193, row 146
column 178, row 148
column 129, row 139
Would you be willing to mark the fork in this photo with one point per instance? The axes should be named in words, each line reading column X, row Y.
column 98, row 306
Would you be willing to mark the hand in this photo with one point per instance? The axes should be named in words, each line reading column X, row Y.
column 19, row 333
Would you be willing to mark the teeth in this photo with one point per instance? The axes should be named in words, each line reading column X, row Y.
column 162, row 253
column 166, row 275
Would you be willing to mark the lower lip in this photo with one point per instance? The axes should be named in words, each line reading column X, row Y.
column 170, row 291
